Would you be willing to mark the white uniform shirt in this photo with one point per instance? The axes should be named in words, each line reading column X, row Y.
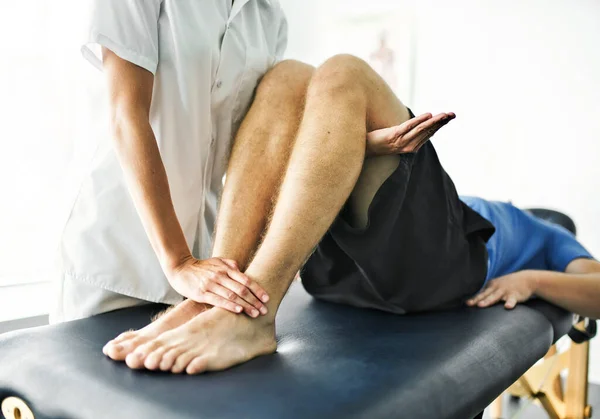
column 207, row 57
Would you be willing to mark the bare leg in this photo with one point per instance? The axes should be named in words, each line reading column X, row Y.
column 344, row 100
column 258, row 161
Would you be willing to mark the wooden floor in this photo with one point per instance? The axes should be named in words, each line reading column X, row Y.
column 525, row 409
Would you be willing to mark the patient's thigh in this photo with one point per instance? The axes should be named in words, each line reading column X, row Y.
column 374, row 172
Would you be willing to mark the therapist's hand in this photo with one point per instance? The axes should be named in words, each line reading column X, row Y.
column 513, row 288
column 220, row 283
column 408, row 137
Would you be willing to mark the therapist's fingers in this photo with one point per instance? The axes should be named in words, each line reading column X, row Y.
column 221, row 302
column 253, row 286
column 238, row 285
column 231, row 296
column 242, row 291
column 235, row 274
column 243, row 279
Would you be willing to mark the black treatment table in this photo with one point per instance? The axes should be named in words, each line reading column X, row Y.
column 332, row 361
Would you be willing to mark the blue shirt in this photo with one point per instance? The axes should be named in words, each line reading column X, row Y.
column 523, row 241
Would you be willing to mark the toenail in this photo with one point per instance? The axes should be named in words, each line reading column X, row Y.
column 254, row 313
column 263, row 310
column 265, row 298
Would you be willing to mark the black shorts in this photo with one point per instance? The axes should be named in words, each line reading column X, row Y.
column 422, row 248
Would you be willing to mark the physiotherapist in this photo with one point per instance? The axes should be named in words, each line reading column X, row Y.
column 180, row 76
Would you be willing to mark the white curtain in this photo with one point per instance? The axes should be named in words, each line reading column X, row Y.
column 47, row 93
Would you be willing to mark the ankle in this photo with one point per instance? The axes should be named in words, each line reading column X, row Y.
column 265, row 330
column 275, row 281
column 192, row 307
column 268, row 320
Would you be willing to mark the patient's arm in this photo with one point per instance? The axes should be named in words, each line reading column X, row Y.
column 577, row 289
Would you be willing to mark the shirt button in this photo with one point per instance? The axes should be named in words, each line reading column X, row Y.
column 219, row 84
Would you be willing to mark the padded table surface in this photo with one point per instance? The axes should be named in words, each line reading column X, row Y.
column 332, row 361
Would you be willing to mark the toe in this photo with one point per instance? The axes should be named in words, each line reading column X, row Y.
column 182, row 362
column 154, row 358
column 134, row 360
column 147, row 348
column 130, row 345
column 121, row 350
column 113, row 350
column 168, row 359
column 197, row 365
column 114, row 343
column 125, row 336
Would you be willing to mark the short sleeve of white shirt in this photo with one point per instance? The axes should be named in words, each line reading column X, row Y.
column 282, row 38
column 129, row 28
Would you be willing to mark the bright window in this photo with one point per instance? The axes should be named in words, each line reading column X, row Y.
column 44, row 108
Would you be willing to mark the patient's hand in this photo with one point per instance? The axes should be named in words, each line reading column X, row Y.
column 513, row 288
column 407, row 137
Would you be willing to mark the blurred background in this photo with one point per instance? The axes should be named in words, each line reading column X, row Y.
column 523, row 78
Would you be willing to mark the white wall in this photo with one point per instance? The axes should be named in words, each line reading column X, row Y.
column 524, row 80
column 304, row 27
column 43, row 124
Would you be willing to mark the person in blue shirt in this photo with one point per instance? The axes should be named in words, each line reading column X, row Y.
column 529, row 256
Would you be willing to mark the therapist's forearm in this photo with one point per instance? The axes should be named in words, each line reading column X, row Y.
column 130, row 95
column 146, row 179
column 578, row 293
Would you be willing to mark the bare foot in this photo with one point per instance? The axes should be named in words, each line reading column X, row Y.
column 214, row 340
column 127, row 342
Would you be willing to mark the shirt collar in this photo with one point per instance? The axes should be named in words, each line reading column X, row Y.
column 239, row 4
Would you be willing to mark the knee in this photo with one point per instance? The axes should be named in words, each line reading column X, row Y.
column 287, row 81
column 340, row 74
